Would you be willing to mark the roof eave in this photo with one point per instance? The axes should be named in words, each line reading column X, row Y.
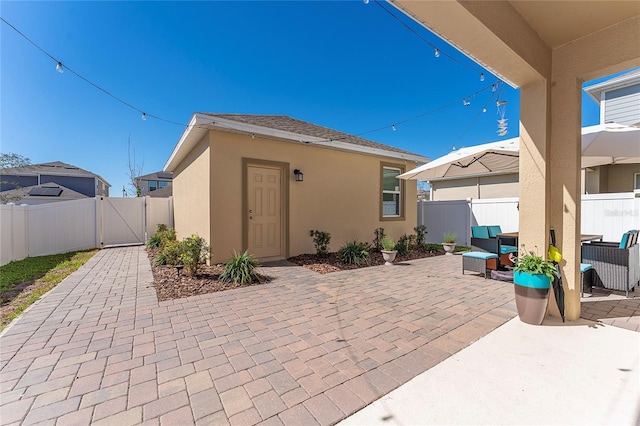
column 594, row 91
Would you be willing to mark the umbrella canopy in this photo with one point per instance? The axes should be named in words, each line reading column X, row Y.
column 602, row 144
column 491, row 157
column 610, row 143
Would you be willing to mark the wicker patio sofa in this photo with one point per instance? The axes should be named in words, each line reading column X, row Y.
column 614, row 268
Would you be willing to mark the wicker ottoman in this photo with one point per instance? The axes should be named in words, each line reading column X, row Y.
column 479, row 262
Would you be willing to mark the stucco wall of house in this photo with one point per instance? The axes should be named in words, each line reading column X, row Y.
column 340, row 194
column 620, row 178
column 191, row 193
column 499, row 186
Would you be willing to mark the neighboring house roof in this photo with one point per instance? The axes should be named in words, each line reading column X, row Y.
column 57, row 168
column 167, row 191
column 157, row 175
column 624, row 80
column 46, row 191
column 280, row 127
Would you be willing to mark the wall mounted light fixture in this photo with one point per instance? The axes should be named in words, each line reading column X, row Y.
column 299, row 175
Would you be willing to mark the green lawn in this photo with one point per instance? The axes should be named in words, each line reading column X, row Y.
column 43, row 271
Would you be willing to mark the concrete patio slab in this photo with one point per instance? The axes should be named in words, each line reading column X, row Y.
column 522, row 374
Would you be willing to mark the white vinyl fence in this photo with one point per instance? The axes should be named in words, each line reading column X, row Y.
column 38, row 230
column 609, row 215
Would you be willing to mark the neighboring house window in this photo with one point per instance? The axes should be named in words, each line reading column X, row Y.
column 162, row 184
column 153, row 185
column 636, row 178
column 392, row 193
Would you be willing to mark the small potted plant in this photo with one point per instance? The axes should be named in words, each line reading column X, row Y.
column 449, row 244
column 532, row 279
column 388, row 250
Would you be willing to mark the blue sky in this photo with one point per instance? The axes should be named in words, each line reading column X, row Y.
column 346, row 65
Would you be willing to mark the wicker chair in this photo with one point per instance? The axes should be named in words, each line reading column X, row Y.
column 614, row 268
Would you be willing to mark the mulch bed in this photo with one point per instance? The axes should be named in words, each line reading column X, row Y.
column 331, row 263
column 169, row 285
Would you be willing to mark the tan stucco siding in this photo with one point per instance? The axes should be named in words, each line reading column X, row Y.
column 619, row 177
column 340, row 193
column 191, row 193
column 477, row 187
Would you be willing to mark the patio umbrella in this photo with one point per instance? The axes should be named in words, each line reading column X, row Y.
column 558, row 290
column 610, row 143
column 501, row 156
column 602, row 144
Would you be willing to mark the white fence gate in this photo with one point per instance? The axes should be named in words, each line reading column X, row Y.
column 122, row 221
column 38, row 230
column 609, row 215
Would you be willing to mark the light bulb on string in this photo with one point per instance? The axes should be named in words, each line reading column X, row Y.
column 481, row 76
column 59, row 67
column 436, row 53
column 393, row 127
column 484, row 109
column 466, row 102
column 144, row 116
column 365, row 1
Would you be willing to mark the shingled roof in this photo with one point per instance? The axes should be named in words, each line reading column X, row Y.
column 280, row 127
column 57, row 168
column 304, row 128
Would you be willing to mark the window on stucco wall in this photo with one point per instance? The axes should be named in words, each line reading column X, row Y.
column 636, row 181
column 392, row 193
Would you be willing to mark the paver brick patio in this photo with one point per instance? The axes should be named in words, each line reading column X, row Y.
column 302, row 349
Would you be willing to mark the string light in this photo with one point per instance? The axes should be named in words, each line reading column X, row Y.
column 365, row 1
column 60, row 68
column 436, row 50
column 484, row 109
column 481, row 76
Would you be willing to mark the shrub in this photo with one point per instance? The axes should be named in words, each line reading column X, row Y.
column 377, row 240
column 170, row 254
column 241, row 269
column 388, row 244
column 161, row 237
column 421, row 234
column 194, row 252
column 354, row 253
column 321, row 240
column 403, row 245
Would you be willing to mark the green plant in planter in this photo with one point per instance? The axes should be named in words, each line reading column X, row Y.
column 531, row 263
column 449, row 237
column 388, row 244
